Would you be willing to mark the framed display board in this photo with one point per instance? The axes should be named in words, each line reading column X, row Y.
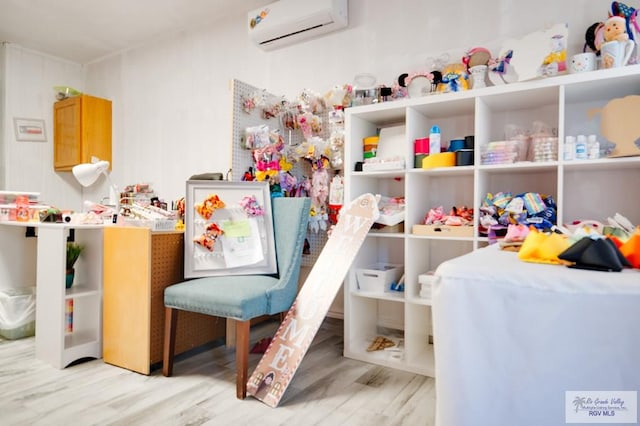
column 229, row 229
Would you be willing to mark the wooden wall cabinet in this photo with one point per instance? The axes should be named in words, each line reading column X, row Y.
column 81, row 130
column 138, row 265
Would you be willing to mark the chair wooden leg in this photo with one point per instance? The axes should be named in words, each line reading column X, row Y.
column 242, row 357
column 170, row 323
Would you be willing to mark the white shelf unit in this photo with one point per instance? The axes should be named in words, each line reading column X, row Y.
column 587, row 189
column 54, row 344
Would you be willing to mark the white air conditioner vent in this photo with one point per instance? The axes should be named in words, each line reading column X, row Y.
column 289, row 21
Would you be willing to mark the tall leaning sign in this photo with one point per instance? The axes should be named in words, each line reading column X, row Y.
column 275, row 370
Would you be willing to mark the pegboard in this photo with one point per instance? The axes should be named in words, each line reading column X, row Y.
column 166, row 266
column 242, row 158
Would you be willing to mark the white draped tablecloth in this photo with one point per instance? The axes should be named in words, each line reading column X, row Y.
column 510, row 337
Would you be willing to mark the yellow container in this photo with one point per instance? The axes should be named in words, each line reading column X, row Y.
column 370, row 146
column 371, row 140
column 443, row 159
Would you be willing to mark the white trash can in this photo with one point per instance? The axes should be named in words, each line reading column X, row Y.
column 17, row 312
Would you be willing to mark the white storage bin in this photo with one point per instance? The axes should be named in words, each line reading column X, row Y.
column 17, row 312
column 378, row 278
column 426, row 281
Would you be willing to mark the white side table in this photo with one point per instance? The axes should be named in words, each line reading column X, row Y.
column 55, row 343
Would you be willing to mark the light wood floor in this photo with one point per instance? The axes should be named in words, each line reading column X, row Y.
column 328, row 389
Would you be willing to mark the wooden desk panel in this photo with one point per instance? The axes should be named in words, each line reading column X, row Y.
column 138, row 266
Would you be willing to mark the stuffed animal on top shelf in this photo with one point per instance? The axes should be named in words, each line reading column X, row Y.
column 454, row 78
column 476, row 61
column 476, row 56
column 615, row 33
column 419, row 83
column 594, row 37
column 615, row 29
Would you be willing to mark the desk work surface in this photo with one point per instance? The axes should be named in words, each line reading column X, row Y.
column 511, row 338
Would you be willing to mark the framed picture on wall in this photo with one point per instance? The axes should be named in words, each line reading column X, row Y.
column 228, row 229
column 29, row 130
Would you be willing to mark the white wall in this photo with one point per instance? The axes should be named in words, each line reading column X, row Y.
column 171, row 100
column 172, row 105
column 3, row 54
column 28, row 166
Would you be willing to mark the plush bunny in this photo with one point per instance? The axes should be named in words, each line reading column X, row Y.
column 615, row 29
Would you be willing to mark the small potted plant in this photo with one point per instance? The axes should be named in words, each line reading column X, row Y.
column 73, row 253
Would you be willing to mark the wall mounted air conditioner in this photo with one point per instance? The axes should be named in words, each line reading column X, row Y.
column 289, row 21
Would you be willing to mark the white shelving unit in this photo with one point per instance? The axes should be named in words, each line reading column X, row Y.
column 54, row 344
column 586, row 189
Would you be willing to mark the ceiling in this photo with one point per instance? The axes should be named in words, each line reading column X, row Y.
column 84, row 31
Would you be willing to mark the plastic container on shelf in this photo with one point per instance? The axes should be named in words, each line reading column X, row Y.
column 22, row 208
column 522, row 145
column 464, row 157
column 448, row 231
column 364, row 90
column 370, row 146
column 426, row 281
column 456, row 145
column 442, row 159
column 9, row 197
column 502, row 152
column 420, row 151
column 519, row 136
column 421, row 146
column 377, row 278
column 391, row 210
column 154, row 225
column 17, row 312
column 545, row 148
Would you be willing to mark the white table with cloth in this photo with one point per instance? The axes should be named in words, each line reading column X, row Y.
column 510, row 337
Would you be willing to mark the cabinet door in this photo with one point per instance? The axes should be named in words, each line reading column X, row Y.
column 126, row 298
column 81, row 130
column 66, row 133
column 96, row 129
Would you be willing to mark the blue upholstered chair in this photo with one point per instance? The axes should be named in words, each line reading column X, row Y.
column 243, row 297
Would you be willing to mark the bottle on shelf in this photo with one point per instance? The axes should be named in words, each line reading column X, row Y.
column 593, row 147
column 434, row 140
column 569, row 148
column 581, row 147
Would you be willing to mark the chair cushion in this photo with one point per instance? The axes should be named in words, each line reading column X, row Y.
column 241, row 297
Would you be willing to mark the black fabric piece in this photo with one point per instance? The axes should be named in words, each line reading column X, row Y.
column 600, row 254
